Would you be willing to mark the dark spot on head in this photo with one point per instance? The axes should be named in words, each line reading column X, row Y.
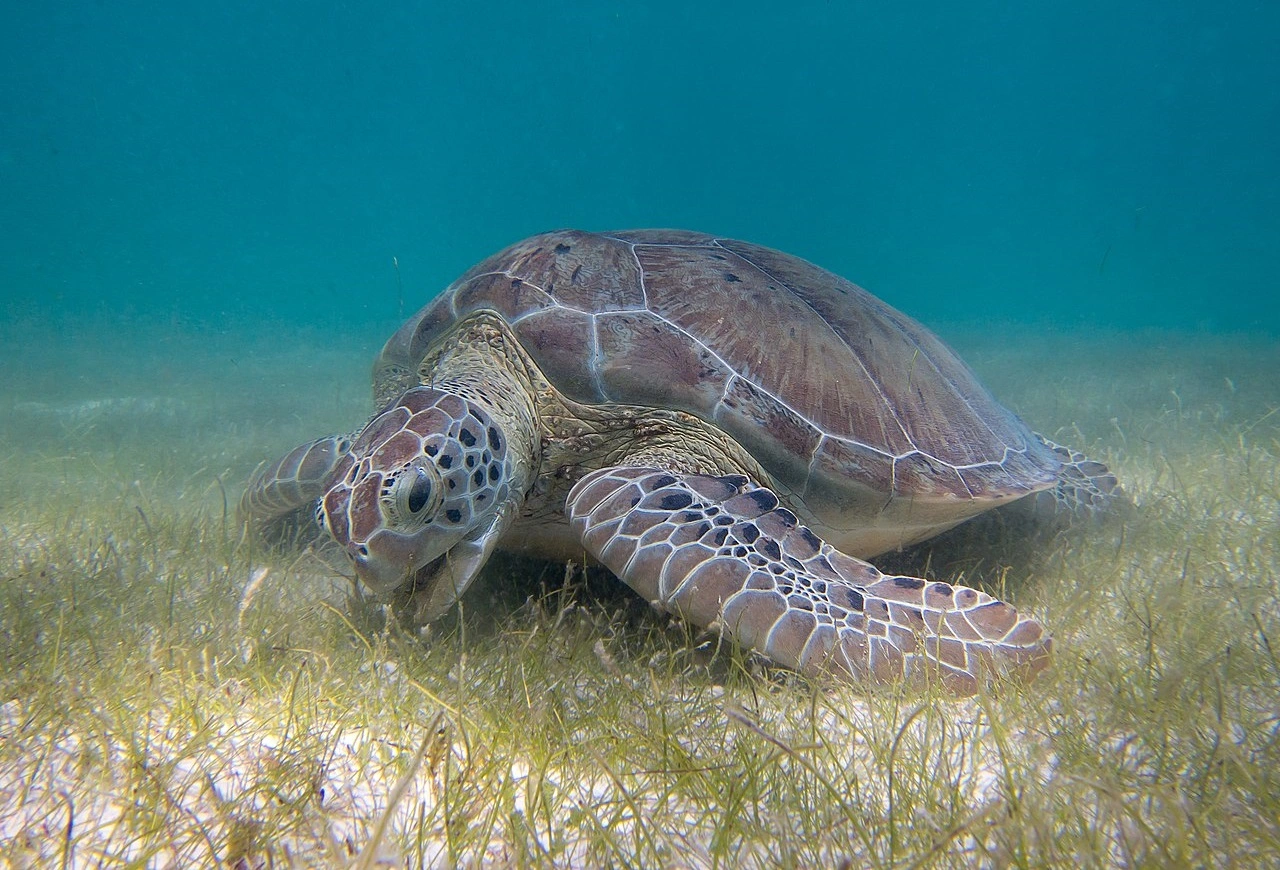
column 748, row 533
column 446, row 461
column 764, row 499
column 454, row 515
column 718, row 538
column 562, row 248
column 852, row 598
column 908, row 583
column 724, row 520
column 466, row 437
column 432, row 449
column 486, row 457
column 794, row 564
column 494, row 472
column 810, row 538
column 775, row 568
column 478, row 477
column 787, row 517
column 770, row 548
column 515, row 283
column 494, row 441
column 690, row 517
column 731, row 278
column 453, row 484
column 740, row 552
column 481, row 497
column 471, row 460
column 941, row 588
column 662, row 480
column 673, row 501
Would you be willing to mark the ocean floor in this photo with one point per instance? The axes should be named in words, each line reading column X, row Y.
column 172, row 694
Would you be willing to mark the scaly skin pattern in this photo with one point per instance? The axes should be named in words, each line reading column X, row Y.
column 298, row 478
column 723, row 553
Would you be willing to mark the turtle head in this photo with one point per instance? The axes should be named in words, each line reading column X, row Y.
column 426, row 496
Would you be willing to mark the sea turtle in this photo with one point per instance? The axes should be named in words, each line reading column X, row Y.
column 727, row 428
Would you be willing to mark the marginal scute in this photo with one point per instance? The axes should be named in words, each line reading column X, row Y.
column 919, row 473
column 413, row 340
column 776, row 435
column 838, row 462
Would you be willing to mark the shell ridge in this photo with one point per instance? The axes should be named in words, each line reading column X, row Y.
column 593, row 363
column 644, row 291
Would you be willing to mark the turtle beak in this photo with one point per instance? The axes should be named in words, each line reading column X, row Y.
column 389, row 560
column 435, row 584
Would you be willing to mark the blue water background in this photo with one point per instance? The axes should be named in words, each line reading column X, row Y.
column 1075, row 164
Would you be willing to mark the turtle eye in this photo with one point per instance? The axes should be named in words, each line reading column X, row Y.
column 420, row 489
column 414, row 496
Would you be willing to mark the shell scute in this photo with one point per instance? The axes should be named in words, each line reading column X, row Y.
column 635, row 344
column 512, row 297
column 577, row 270
column 562, row 342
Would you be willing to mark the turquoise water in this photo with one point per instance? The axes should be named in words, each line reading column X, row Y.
column 1098, row 163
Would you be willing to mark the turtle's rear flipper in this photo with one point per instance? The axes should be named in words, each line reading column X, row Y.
column 722, row 553
column 1084, row 487
column 280, row 498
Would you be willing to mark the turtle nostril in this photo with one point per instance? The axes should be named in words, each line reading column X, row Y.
column 357, row 552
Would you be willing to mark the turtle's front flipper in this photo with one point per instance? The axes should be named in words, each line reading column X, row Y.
column 722, row 553
column 280, row 490
column 1084, row 487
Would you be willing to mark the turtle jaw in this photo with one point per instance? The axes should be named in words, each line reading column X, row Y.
column 389, row 560
column 418, row 571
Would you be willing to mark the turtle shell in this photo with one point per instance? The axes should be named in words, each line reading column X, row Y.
column 847, row 402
